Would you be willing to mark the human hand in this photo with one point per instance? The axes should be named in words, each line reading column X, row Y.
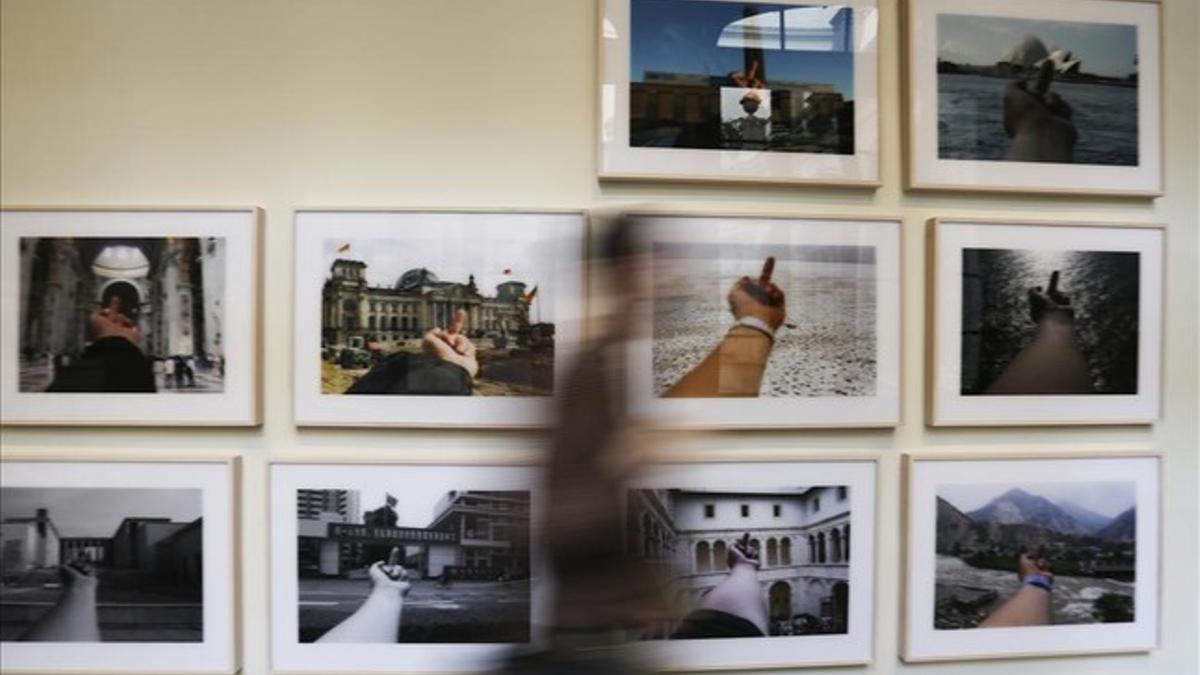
column 110, row 323
column 79, row 577
column 759, row 298
column 741, row 552
column 390, row 575
column 1051, row 303
column 1038, row 121
column 1033, row 564
column 452, row 345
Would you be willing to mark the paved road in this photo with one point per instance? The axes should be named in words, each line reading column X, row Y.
column 468, row 611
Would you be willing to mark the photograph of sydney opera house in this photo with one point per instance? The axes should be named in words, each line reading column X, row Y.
column 745, row 562
column 1078, row 538
column 727, row 75
column 469, row 315
column 99, row 314
column 101, row 565
column 1017, row 89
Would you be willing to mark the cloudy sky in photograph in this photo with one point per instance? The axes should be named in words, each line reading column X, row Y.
column 96, row 512
column 1105, row 498
column 1105, row 49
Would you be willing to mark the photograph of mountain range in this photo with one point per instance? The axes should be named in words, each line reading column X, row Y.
column 1082, row 533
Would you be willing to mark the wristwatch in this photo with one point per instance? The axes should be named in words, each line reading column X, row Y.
column 757, row 324
column 1044, row 583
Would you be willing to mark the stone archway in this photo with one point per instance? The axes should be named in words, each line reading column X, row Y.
column 841, row 606
column 779, row 599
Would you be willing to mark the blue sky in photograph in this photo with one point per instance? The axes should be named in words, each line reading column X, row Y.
column 680, row 36
column 1105, row 49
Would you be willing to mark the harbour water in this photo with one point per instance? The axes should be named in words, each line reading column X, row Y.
column 971, row 119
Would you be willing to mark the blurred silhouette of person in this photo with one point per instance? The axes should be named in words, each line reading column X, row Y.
column 1030, row 605
column 114, row 362
column 736, row 366
column 1052, row 362
column 447, row 366
column 1038, row 121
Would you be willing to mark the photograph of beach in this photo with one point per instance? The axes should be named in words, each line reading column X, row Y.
column 1016, row 89
column 708, row 74
column 826, row 345
column 1076, row 541
column 1068, row 319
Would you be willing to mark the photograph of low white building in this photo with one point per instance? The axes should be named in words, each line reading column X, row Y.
column 801, row 535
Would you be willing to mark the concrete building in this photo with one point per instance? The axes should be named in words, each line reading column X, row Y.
column 134, row 542
column 179, row 557
column 95, row 550
column 29, row 543
column 177, row 285
column 471, row 535
column 803, row 539
column 354, row 312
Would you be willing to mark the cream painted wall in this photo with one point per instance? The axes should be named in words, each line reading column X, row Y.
column 284, row 103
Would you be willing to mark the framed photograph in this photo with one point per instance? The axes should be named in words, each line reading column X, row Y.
column 1045, row 323
column 1019, row 556
column 727, row 90
column 131, row 562
column 129, row 317
column 1033, row 96
column 759, row 564
column 760, row 322
column 397, row 568
column 434, row 318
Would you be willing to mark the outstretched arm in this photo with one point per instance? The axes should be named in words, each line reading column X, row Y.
column 378, row 618
column 74, row 618
column 1029, row 606
column 739, row 593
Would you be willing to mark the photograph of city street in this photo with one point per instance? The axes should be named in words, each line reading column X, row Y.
column 726, row 75
column 1046, row 322
column 470, row 312
column 745, row 563
column 419, row 564
column 121, row 315
column 1021, row 89
column 101, row 565
column 820, row 300
column 1003, row 548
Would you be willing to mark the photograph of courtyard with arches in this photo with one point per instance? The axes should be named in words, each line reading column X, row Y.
column 746, row 563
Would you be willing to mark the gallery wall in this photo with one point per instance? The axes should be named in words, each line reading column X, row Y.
column 291, row 103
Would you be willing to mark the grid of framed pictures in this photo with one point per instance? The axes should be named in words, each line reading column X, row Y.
column 1032, row 96
column 502, row 290
column 726, row 90
column 1051, row 323
column 131, row 562
column 129, row 317
column 834, row 358
column 1042, row 554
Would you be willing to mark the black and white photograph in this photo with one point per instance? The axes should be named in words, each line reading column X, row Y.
column 1035, row 90
column 399, row 319
column 422, row 318
column 1035, row 554
column 108, row 315
column 1046, row 322
column 1062, row 97
column 410, row 567
column 780, row 91
column 419, row 565
column 746, row 563
column 1031, row 553
column 101, row 565
column 111, row 316
column 769, row 321
column 118, row 566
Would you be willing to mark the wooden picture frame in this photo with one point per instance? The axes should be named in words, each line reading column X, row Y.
column 1014, row 364
column 107, row 488
column 1014, row 496
column 529, row 324
column 672, row 491
column 190, row 278
column 697, row 137
column 825, row 265
column 295, row 644
column 957, row 136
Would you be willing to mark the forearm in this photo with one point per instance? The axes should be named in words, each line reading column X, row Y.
column 739, row 594
column 73, row 619
column 735, row 368
column 1050, row 364
column 376, row 620
column 1029, row 606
